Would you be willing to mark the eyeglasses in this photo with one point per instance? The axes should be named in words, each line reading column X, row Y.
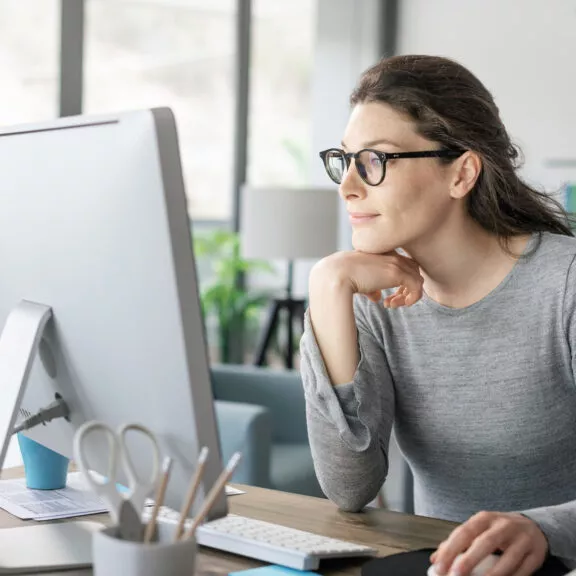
column 371, row 164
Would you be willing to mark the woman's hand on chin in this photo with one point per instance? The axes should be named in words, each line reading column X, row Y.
column 369, row 274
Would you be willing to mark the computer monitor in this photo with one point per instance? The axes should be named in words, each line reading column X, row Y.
column 94, row 228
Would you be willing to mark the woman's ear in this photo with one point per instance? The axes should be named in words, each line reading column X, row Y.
column 466, row 170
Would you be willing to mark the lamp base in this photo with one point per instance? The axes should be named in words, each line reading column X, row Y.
column 295, row 310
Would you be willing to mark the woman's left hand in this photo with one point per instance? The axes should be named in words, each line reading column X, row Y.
column 522, row 543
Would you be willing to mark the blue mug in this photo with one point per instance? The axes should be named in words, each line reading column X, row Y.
column 44, row 468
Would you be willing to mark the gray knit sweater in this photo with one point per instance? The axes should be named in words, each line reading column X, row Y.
column 482, row 398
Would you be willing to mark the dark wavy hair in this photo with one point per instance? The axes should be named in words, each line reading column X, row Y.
column 449, row 105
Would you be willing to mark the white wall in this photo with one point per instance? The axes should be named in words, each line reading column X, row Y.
column 524, row 51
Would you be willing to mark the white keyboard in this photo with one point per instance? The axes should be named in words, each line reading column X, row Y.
column 269, row 542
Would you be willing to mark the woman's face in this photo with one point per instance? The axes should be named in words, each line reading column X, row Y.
column 414, row 199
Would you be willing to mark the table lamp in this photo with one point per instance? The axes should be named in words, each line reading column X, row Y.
column 287, row 223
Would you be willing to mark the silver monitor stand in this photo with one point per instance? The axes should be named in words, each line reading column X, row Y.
column 19, row 345
column 20, row 342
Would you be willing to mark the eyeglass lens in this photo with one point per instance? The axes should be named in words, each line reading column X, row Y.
column 369, row 166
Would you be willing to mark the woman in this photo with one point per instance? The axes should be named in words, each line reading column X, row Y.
column 464, row 339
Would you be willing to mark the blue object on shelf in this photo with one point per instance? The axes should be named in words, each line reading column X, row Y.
column 570, row 197
column 44, row 468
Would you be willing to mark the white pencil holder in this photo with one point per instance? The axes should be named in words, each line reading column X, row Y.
column 114, row 557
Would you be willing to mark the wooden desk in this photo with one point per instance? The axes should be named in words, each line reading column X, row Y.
column 389, row 532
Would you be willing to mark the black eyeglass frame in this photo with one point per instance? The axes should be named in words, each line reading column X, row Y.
column 384, row 157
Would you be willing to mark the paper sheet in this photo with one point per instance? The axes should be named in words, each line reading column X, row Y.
column 230, row 491
column 76, row 499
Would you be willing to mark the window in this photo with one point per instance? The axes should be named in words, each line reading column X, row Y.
column 29, row 49
column 280, row 119
column 283, row 36
column 176, row 53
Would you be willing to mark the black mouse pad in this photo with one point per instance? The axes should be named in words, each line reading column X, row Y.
column 416, row 563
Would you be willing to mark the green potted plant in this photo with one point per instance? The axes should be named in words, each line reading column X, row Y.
column 235, row 308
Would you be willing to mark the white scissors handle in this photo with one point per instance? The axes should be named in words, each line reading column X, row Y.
column 106, row 487
column 139, row 489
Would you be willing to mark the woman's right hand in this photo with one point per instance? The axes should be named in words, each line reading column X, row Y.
column 333, row 282
column 369, row 274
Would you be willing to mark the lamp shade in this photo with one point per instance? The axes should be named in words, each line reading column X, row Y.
column 288, row 223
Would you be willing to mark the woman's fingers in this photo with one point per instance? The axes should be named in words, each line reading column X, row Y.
column 512, row 560
column 397, row 297
column 522, row 544
column 398, row 300
column 411, row 281
column 413, row 297
column 402, row 297
column 530, row 564
column 387, row 270
column 460, row 539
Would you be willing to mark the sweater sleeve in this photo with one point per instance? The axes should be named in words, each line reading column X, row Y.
column 349, row 425
column 559, row 522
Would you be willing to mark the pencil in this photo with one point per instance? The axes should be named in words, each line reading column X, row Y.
column 192, row 489
column 214, row 493
column 159, row 499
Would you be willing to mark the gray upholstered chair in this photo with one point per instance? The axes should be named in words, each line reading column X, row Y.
column 261, row 412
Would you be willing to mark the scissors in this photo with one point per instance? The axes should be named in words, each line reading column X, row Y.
column 125, row 509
